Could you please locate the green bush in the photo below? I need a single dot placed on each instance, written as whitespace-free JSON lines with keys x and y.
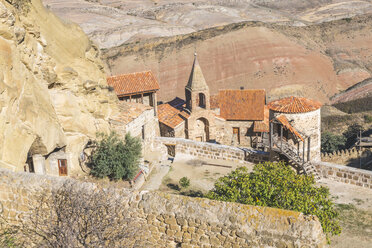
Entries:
{"x":277,"y":185}
{"x":184,"y":182}
{"x":115,"y":158}
{"x":352,"y":133}
{"x":367,"y":118}
{"x":332,"y":142}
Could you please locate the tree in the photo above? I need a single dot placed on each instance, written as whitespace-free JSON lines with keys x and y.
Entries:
{"x":332,"y":142}
{"x":115,"y":158}
{"x":352,"y":133}
{"x":73,"y":216}
{"x":184,"y":182}
{"x":277,"y":185}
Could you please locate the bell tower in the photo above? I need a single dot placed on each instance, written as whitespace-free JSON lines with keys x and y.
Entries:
{"x":197,"y":90}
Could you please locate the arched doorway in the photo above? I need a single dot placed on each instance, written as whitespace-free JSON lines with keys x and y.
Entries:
{"x":202,"y":129}
{"x":35,"y":162}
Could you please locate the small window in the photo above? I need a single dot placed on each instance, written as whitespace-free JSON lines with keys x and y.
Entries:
{"x":62,"y":167}
{"x":202,"y":102}
{"x":143,"y":132}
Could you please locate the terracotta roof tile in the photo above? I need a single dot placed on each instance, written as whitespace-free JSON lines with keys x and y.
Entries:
{"x":262,"y":126}
{"x":170,"y":115}
{"x":282,"y":119}
{"x":294,"y":105}
{"x":242,"y":104}
{"x":214,"y":103}
{"x":132,"y":83}
{"x":130,"y":111}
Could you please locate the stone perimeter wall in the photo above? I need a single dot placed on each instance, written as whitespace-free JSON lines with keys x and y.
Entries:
{"x":180,"y":221}
{"x":342,"y":173}
{"x":344,"y":156}
{"x":202,"y":150}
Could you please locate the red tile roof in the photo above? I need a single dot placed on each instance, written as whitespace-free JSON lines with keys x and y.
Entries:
{"x":171,"y":116}
{"x":130,"y":111}
{"x":262,"y":126}
{"x":294,"y":105}
{"x":282,"y":119}
{"x":242,"y":104}
{"x":132,"y":83}
{"x":214,"y":103}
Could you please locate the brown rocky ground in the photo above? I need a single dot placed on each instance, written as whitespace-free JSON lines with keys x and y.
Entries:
{"x":286,"y":47}
{"x":113,"y":22}
{"x":316,"y":61}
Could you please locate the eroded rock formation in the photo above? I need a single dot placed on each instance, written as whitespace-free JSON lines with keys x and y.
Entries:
{"x":53,"y":90}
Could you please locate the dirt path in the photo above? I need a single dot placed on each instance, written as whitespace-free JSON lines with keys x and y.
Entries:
{"x":155,"y":179}
{"x":355,"y":206}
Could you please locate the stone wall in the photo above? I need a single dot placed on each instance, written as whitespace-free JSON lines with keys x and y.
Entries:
{"x":180,"y":221}
{"x":346,"y":156}
{"x":205,"y":150}
{"x":308,"y":124}
{"x":224,"y":133}
{"x":345,"y":174}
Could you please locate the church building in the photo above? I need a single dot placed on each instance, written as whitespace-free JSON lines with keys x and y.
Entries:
{"x":233,"y":117}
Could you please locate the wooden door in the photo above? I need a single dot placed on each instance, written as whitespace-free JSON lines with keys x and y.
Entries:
{"x":236,"y":133}
{"x":62,"y":167}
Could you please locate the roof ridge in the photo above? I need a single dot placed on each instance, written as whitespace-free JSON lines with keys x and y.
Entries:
{"x":130,"y":73}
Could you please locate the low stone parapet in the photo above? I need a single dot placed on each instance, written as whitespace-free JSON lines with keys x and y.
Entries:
{"x":345,"y":174}
{"x":206,"y":150}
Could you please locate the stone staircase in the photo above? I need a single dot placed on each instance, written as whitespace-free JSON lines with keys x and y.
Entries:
{"x":291,"y":153}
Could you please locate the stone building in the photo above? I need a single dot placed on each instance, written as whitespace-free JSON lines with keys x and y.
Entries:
{"x":138,"y":105}
{"x":137,"y":119}
{"x":139,"y":87}
{"x":233,"y":117}
{"x":296,"y":121}
{"x":56,"y":163}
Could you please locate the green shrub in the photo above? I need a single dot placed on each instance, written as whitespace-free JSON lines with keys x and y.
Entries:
{"x":367,"y":118}
{"x":184,"y":182}
{"x":332,"y":142}
{"x":277,"y":185}
{"x":352,"y":133}
{"x":115,"y":158}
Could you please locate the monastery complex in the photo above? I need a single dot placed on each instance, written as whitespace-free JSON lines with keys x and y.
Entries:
{"x":285,"y":129}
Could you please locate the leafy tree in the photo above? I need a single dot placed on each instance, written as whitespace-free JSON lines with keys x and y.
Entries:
{"x":332,"y":142}
{"x":115,"y":158}
{"x":277,"y":185}
{"x":184,"y":182}
{"x":351,"y":134}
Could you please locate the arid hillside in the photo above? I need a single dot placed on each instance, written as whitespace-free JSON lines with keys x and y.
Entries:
{"x":306,"y":48}
{"x":114,"y":22}
{"x":315,"y":61}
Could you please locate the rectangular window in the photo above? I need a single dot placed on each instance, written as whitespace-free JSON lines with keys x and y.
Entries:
{"x":62,"y":167}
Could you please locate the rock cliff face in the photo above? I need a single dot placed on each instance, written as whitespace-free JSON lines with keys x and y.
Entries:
{"x":53,"y":90}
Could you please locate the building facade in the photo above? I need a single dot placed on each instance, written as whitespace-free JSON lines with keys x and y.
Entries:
{"x":138,"y":87}
{"x":233,"y":117}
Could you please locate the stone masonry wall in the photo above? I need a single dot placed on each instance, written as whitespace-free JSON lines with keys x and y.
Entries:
{"x":203,"y":149}
{"x":180,"y":221}
{"x":342,"y":173}
{"x":345,"y":156}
